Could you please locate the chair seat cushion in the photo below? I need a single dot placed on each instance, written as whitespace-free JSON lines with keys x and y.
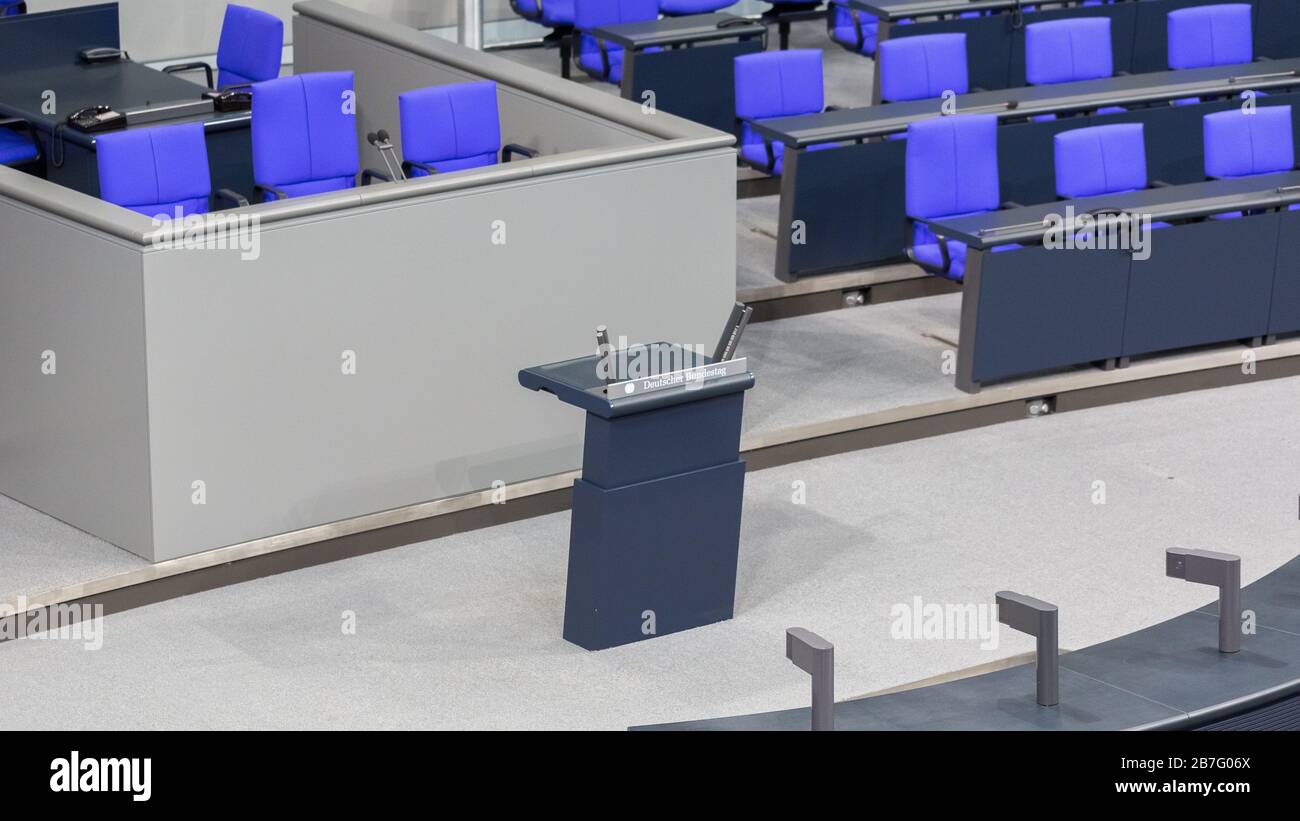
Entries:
{"x":172,"y":210}
{"x":755,"y":153}
{"x":925,"y":248}
{"x":302,"y":189}
{"x":459,"y":164}
{"x":16,"y":147}
{"x":589,"y":60}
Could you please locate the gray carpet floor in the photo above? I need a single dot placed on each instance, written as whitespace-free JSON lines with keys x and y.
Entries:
{"x":464,"y":632}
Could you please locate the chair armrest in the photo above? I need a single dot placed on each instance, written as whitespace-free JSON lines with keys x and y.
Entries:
{"x":368,"y":174}
{"x":262,"y":188}
{"x":207,"y":69}
{"x":226,"y":195}
{"x":510,"y":149}
{"x":604,"y":59}
{"x":407,"y":165}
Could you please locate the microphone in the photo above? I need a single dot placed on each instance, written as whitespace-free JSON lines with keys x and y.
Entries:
{"x":379,"y":139}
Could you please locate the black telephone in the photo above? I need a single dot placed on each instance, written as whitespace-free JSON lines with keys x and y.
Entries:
{"x":101,"y":54}
{"x":232,"y":99}
{"x":96,"y":118}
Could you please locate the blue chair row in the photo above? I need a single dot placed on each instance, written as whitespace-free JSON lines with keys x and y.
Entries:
{"x":952,"y":167}
{"x":1061,"y":51}
{"x":304,"y":142}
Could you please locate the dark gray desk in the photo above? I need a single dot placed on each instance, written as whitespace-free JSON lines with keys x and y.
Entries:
{"x":1206,"y":281}
{"x":851,"y":198}
{"x":126,"y":87}
{"x":1169,"y":676}
{"x":995,"y":42}
{"x":692,"y":75}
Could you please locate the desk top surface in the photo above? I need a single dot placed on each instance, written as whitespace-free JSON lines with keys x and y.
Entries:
{"x":694,"y":28}
{"x":1199,"y":199}
{"x":577,"y":381}
{"x":870,"y":121}
{"x":122,"y":86}
{"x":897,"y":9}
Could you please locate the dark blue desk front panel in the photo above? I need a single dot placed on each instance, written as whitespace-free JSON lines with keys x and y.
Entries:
{"x":1285,"y":315}
{"x":55,"y":37}
{"x":1206,"y":282}
{"x":1040,"y":309}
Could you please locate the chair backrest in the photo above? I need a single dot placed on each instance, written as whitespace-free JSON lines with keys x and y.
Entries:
{"x":922,"y":67}
{"x":589,"y":14}
{"x":251,"y":46}
{"x":952,"y":165}
{"x":779,"y":83}
{"x":1062,"y":51}
{"x":1103,"y":159}
{"x":155,"y":171}
{"x":1217,"y":35}
{"x":305,"y":134}
{"x":451,"y":127}
{"x":1241,"y":144}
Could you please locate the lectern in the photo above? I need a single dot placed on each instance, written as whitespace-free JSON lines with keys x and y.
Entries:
{"x":655,"y":529}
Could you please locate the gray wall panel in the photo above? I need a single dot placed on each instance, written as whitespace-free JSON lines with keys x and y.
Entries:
{"x":73,"y":444}
{"x":246,"y":389}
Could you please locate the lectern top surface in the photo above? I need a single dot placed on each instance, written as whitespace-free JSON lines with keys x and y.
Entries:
{"x":638,"y":378}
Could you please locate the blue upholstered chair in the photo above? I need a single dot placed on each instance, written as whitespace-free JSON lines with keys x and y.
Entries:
{"x":551,"y":13}
{"x":249,"y":51}
{"x":158,"y":172}
{"x":18,"y":144}
{"x":557,"y":15}
{"x":304,"y":135}
{"x":852,"y":28}
{"x":452,"y":128}
{"x":602,"y":60}
{"x":1238,"y":144}
{"x":775,"y":84}
{"x":952,"y":171}
{"x":922,"y":67}
{"x":676,"y":8}
{"x":1203,"y":36}
{"x":1065,"y":51}
{"x":9,"y":8}
{"x":1103,"y":159}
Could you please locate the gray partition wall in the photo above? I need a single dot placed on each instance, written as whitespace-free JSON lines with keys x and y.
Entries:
{"x":365,"y":359}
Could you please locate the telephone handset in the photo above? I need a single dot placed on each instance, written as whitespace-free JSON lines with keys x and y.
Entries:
{"x":96,"y":118}
{"x":101,"y":54}
{"x":239,"y":98}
